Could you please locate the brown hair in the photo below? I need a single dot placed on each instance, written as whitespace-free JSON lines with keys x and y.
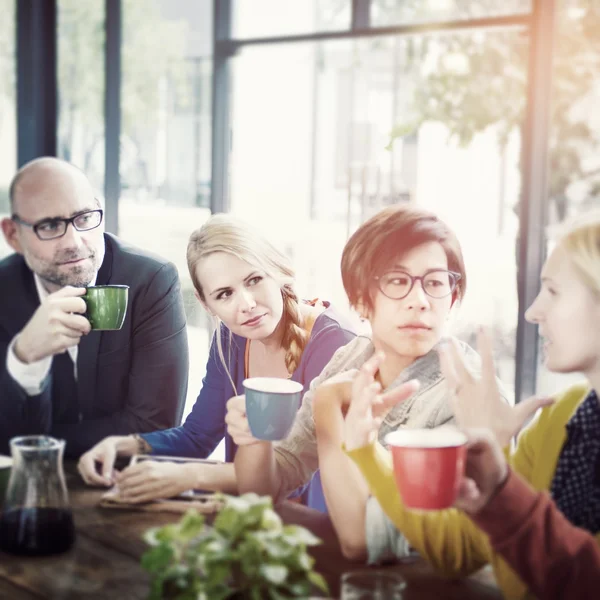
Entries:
{"x":386,"y":236}
{"x":224,"y":233}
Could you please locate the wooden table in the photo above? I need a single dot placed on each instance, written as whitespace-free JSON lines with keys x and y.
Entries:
{"x":104,"y":563}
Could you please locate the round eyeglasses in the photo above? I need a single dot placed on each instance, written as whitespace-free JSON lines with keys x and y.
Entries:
{"x":436,"y":284}
{"x":51,"y":229}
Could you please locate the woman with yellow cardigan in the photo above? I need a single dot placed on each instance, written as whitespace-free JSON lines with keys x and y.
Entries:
{"x":559,"y":452}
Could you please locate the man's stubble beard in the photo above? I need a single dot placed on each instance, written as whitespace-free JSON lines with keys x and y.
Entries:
{"x":77,"y":276}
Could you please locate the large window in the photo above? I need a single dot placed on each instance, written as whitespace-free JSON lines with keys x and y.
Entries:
{"x":405,"y":12}
{"x":327,"y":133}
{"x":265,"y":18}
{"x":165,"y":141}
{"x":8,"y":114}
{"x":574,"y":173}
{"x":80,"y":66}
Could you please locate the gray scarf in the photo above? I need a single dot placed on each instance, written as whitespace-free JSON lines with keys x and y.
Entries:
{"x":429,"y":406}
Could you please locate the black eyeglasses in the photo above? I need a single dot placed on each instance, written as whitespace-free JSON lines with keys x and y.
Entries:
{"x":436,"y":284}
{"x":51,"y":229}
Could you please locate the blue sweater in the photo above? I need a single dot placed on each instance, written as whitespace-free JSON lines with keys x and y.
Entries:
{"x":205,"y":426}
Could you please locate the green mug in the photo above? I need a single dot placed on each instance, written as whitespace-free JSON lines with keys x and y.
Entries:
{"x":5,"y":466}
{"x":106,"y":306}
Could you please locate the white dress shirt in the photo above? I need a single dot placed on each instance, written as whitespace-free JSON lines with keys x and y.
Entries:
{"x":31,"y":376}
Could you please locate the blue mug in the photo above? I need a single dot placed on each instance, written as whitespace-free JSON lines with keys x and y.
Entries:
{"x":271,"y":406}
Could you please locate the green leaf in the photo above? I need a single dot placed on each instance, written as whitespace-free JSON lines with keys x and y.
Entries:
{"x":218,"y":574}
{"x":274,"y":573}
{"x":299,"y":589}
{"x":239,"y":504}
{"x":156,"y":589}
{"x":319,"y":581}
{"x":296,"y":535}
{"x":271,"y":520}
{"x":191,"y":525}
{"x":157,"y":559}
{"x":247,"y":551}
{"x":168,"y":533}
{"x":278,"y":549}
{"x":304,"y":561}
{"x":256,"y":594}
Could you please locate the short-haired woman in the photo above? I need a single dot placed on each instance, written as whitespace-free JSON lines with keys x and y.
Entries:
{"x":403,"y":271}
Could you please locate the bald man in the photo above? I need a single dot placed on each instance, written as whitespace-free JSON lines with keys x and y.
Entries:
{"x":58,"y":377}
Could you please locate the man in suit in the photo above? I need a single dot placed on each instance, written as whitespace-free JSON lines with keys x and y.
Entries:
{"x":58,"y":377}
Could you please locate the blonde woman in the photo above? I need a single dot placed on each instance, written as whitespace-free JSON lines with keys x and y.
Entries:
{"x":262,"y":329}
{"x":558,"y":453}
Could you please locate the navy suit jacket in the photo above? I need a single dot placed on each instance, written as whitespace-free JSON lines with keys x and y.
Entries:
{"x":131,"y":380}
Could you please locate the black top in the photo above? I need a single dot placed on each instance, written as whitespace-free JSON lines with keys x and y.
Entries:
{"x":576,"y":484}
{"x":131,"y":380}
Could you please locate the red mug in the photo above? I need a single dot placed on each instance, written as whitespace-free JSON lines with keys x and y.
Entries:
{"x":428,"y":466}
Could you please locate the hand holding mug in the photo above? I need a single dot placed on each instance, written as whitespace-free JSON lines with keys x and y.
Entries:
{"x":237,"y":422}
{"x":271,"y":406}
{"x":485,"y":472}
{"x":56,"y":325}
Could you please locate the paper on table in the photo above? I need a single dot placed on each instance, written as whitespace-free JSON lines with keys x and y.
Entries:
{"x":203,"y":503}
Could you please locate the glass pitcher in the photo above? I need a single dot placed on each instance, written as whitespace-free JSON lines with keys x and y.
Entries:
{"x":36,"y":517}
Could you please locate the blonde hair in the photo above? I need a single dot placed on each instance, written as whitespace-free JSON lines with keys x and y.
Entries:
{"x":580,"y":239}
{"x":224,"y":233}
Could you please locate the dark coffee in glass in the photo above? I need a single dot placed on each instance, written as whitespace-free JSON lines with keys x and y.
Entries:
{"x":36,"y":518}
{"x":36,"y":531}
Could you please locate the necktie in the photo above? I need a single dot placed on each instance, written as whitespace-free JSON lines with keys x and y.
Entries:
{"x":65,"y":407}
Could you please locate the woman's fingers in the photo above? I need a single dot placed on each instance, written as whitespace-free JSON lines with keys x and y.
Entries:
{"x":486,"y":351}
{"x":87,"y":470}
{"x":237,"y":404}
{"x":392,"y":397}
{"x":371,"y":366}
{"x":108,"y":458}
{"x":133,"y":473}
{"x":363,"y":392}
{"x":447,"y":366}
{"x":366,"y":374}
{"x":143,"y":492}
{"x":237,"y":422}
{"x":377,"y":421}
{"x":458,"y":363}
{"x":468,"y":496}
{"x":525,"y":409}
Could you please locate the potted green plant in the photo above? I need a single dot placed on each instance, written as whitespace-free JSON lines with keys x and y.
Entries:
{"x":247,"y":553}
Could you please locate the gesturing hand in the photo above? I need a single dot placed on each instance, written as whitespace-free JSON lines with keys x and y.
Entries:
{"x":336,"y":390}
{"x":369,"y":406}
{"x":477,"y":402}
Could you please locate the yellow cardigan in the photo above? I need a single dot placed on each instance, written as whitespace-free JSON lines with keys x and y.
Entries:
{"x":448,"y":539}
